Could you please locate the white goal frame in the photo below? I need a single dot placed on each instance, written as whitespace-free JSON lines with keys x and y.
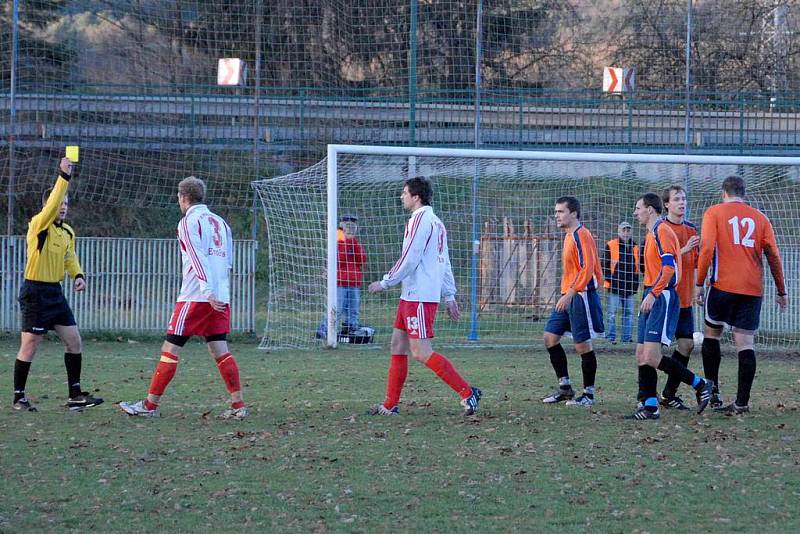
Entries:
{"x":412,"y":152}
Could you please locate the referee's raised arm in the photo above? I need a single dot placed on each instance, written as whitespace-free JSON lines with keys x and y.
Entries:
{"x":49,"y":212}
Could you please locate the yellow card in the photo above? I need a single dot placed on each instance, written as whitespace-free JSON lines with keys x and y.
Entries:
{"x":72,"y":153}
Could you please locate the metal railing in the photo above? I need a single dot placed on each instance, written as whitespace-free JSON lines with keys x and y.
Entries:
{"x":293,"y":118}
{"x":132,"y":284}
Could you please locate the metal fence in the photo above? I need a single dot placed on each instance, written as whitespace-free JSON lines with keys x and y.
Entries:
{"x":132,"y":284}
{"x":773,"y":320}
{"x":711,"y":77}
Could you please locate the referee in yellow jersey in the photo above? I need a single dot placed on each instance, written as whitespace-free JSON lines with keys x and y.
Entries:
{"x":51,"y":251}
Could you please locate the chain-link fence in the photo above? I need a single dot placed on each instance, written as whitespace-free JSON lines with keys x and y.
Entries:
{"x":134,"y":83}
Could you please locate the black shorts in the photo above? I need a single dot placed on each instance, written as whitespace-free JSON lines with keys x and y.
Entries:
{"x":732,"y":309}
{"x":685,"y":328}
{"x":43,"y":306}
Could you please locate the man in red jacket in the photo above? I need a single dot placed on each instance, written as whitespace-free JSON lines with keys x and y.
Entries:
{"x":350,"y":261}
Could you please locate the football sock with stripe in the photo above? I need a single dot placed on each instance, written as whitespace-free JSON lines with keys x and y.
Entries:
{"x":72,"y":362}
{"x":648,"y":383}
{"x":21,"y":370}
{"x":676,"y":369}
{"x":558,"y":358}
{"x":589,"y":369}
{"x":712,"y":356}
{"x":747,"y":372}
{"x":445,"y":370}
{"x":229,"y":371}
{"x":651,"y":404}
{"x":673,"y":381}
{"x":398,"y":371}
{"x":162,"y":376}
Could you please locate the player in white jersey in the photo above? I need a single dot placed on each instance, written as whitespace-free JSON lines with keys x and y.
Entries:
{"x":426,"y":276}
{"x":203,"y":305}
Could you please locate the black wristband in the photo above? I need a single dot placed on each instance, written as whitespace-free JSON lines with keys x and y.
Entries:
{"x":80,"y":275}
{"x":64,"y":175}
{"x":781,"y":294}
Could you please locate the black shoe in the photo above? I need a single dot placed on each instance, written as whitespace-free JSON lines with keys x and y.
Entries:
{"x":470,"y":404}
{"x":704,"y":395}
{"x":716,"y":398}
{"x":24,"y":405}
{"x":380,"y":409}
{"x":643,"y":413}
{"x":560,"y":395}
{"x":733,"y":409}
{"x":81,"y":401}
{"x":674,"y":402}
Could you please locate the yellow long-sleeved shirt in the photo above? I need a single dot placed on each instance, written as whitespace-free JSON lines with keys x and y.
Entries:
{"x":51,"y":245}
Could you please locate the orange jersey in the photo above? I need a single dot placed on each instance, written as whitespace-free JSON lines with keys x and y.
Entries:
{"x":733,"y":238}
{"x":685,"y":287}
{"x":662,"y":259}
{"x":581,"y":265}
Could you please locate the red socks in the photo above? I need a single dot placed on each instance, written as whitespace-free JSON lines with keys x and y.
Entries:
{"x":445,"y":370}
{"x":162,"y":376}
{"x":229,"y":372}
{"x":168,"y":364}
{"x":398,"y":371}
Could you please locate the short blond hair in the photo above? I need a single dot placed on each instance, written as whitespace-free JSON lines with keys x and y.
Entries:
{"x":193,"y":188}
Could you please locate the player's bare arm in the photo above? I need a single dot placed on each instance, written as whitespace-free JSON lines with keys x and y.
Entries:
{"x":692,"y":243}
{"x":79,"y":284}
{"x":647,"y":303}
{"x":452,"y":310}
{"x":65,"y":166}
{"x":375,"y":287}
{"x":566,"y":298}
{"x":699,"y":295}
{"x":217,"y":305}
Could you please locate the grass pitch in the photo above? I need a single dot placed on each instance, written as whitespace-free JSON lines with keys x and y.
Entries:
{"x":309,"y":460}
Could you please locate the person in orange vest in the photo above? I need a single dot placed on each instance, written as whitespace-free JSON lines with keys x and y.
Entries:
{"x":621,"y":268}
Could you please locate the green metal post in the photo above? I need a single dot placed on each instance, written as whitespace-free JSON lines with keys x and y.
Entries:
{"x":412,"y":75}
{"x":257,"y":115}
{"x":741,"y":124}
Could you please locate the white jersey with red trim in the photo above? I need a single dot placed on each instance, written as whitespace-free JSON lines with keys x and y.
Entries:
{"x":207,"y":253}
{"x":424,"y":265}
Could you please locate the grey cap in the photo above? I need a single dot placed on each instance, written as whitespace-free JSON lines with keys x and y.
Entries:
{"x":625,"y":224}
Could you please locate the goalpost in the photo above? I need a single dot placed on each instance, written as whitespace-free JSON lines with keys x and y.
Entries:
{"x":505,"y":249}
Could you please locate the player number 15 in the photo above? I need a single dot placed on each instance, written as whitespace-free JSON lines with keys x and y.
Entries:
{"x":748,"y":225}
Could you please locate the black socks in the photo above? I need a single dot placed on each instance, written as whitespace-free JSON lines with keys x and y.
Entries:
{"x":674,"y":381}
{"x":747,"y":372}
{"x":712,"y":355}
{"x":559,"y":360}
{"x":72,"y":361}
{"x":589,"y":368}
{"x":20,"y":378}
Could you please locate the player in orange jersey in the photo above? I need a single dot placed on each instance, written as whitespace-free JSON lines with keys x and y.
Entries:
{"x":658,"y":313}
{"x":578,"y":311}
{"x":734,"y":237}
{"x":674,"y":199}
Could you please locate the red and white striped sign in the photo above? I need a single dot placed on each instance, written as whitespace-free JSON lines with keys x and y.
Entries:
{"x":619,"y":79}
{"x":231,"y":71}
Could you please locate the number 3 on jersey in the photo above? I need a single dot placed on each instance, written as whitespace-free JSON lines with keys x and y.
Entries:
{"x":748,"y":225}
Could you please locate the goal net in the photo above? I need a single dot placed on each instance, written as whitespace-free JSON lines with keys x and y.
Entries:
{"x":505,"y":248}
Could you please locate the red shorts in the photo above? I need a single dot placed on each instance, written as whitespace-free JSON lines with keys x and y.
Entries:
{"x":198,"y":319}
{"x":416,"y":318}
